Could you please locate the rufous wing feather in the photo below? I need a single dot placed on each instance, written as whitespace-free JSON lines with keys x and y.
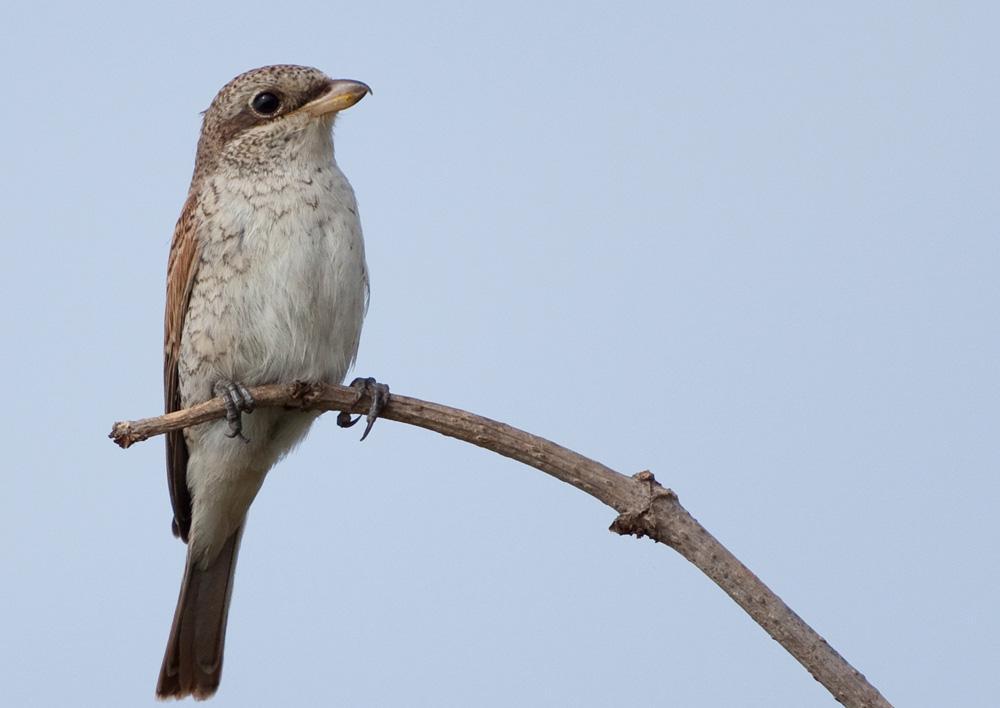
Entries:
{"x":181,"y":270}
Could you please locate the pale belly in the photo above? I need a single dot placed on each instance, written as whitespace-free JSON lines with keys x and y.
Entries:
{"x":279,"y":296}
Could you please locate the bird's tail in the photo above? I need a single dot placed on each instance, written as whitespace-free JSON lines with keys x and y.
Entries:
{"x":192,"y":664}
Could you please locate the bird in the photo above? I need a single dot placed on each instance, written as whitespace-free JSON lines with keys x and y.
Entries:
{"x":267,"y":282}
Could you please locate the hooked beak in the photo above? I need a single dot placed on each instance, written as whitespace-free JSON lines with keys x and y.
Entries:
{"x":343,"y":93}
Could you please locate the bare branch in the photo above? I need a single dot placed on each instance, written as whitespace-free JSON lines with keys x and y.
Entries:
{"x":644,"y":507}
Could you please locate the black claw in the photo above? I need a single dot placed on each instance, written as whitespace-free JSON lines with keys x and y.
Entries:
{"x":237,"y":400}
{"x":237,"y":431}
{"x":379,"y":394}
{"x":344,"y":419}
{"x":380,"y":397}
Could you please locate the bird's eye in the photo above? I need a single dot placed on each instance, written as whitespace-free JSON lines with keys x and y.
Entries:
{"x":265,"y":103}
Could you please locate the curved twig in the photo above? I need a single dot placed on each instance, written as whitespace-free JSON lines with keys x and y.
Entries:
{"x":644,"y":507}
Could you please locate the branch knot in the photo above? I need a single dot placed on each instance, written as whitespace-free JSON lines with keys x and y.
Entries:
{"x":305,"y":393}
{"x":638,"y":522}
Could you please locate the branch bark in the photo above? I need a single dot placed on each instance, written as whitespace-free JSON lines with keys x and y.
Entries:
{"x":644,"y":507}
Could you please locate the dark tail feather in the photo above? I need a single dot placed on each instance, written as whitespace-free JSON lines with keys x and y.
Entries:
{"x":192,"y":665}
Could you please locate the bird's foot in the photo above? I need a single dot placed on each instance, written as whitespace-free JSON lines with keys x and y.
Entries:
{"x":379,"y":394}
{"x":238,"y":401}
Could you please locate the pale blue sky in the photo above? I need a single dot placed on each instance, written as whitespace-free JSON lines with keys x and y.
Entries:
{"x":752,"y":248}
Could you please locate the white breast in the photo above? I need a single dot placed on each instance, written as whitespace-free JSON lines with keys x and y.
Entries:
{"x":282,"y":284}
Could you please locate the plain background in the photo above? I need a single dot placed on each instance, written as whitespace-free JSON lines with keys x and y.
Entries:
{"x":753,"y":248}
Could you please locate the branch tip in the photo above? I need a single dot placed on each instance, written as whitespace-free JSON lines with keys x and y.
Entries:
{"x":123,"y":435}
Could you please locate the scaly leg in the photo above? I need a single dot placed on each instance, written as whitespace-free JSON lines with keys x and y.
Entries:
{"x":237,"y":400}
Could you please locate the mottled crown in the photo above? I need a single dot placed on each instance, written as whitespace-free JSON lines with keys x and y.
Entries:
{"x":250,"y":103}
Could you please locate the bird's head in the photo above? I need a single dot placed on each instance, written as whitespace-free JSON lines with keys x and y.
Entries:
{"x":271,"y":118}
